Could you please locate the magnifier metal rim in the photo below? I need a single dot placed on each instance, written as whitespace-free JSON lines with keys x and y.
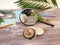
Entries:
{"x":27,"y":24}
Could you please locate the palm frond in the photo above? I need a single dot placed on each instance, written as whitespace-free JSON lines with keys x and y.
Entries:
{"x":33,"y":4}
{"x":43,"y":1}
{"x":6,"y":12}
{"x":1,"y":20}
{"x":54,"y":2}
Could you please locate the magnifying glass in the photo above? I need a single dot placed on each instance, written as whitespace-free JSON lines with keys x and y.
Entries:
{"x":30,"y":17}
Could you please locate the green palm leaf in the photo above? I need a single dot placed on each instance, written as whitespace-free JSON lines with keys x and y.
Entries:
{"x":43,"y":1}
{"x":54,"y":2}
{"x":35,"y":4}
{"x":1,"y":20}
{"x":26,"y":4}
{"x":5,"y":12}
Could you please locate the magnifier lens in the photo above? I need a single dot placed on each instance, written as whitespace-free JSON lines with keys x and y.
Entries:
{"x":27,"y":17}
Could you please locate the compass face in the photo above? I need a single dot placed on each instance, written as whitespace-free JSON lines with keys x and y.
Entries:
{"x":29,"y":33}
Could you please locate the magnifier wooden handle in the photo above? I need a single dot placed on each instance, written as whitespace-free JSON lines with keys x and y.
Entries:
{"x":47,"y":23}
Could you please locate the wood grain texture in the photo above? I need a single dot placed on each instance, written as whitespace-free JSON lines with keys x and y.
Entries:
{"x":50,"y":37}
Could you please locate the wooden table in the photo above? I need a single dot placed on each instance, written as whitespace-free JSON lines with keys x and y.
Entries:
{"x":50,"y":37}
